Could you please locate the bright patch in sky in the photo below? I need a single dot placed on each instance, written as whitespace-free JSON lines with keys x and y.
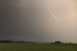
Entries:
{"x":62,"y":9}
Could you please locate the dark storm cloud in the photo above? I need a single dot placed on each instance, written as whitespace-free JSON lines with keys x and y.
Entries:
{"x":10,"y":18}
{"x":18,"y":21}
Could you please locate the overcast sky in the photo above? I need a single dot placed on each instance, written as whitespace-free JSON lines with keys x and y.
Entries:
{"x":32,"y":20}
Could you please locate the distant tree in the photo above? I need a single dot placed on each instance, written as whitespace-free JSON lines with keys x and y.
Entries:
{"x":57,"y":42}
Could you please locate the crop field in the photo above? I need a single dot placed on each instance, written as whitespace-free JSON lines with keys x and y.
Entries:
{"x":37,"y":47}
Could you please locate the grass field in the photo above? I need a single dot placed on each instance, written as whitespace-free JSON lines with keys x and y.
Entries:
{"x":37,"y":47}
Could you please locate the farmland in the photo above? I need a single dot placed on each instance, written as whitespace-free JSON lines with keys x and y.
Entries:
{"x":37,"y":47}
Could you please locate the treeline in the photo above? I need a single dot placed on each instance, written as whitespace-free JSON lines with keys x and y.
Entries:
{"x":5,"y":41}
{"x":10,"y":41}
{"x":59,"y":42}
{"x":56,"y":42}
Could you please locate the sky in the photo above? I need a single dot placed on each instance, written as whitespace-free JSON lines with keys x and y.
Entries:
{"x":38,"y":20}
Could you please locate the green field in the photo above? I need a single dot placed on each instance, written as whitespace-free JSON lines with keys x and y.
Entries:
{"x":37,"y":47}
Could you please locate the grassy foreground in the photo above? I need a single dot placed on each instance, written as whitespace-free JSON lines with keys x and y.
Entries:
{"x":37,"y":47}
